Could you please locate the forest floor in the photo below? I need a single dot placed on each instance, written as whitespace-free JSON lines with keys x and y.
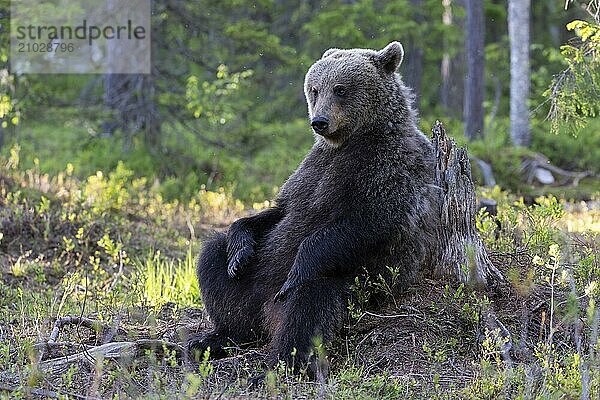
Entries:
{"x":98,"y":291}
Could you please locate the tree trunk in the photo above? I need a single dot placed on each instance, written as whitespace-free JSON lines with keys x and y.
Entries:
{"x":474,"y":83}
{"x":452,"y":91}
{"x":131,"y":99}
{"x":414,"y":59}
{"x":461,"y":252}
{"x":518,"y":32}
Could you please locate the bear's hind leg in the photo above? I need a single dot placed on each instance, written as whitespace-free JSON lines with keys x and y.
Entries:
{"x":312,"y":313}
{"x":230,"y":303}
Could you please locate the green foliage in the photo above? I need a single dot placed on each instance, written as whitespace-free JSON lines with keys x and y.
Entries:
{"x":574,"y":92}
{"x":353,"y":384}
{"x":571,"y":153}
{"x":243,"y":126}
{"x":211,"y":99}
{"x":579,"y":153}
{"x":9,"y":107}
{"x":105,"y":194}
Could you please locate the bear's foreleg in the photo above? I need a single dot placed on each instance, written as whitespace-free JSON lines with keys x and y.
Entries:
{"x":337,"y":250}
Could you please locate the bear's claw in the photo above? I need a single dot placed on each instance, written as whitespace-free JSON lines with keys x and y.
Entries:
{"x":239,"y":260}
{"x":284,"y":291}
{"x":240,"y":248}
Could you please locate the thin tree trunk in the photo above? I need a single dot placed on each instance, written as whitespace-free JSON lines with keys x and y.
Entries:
{"x":414,"y":58}
{"x":452,"y":91}
{"x":518,"y":32}
{"x":445,"y":90}
{"x":474,"y":83}
{"x":414,"y":70}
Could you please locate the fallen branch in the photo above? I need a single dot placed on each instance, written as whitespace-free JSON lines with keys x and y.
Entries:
{"x":539,"y":161}
{"x":91,"y":354}
{"x":96,"y":326}
{"x":111,"y":351}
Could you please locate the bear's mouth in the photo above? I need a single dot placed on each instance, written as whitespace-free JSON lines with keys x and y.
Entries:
{"x":333,"y":136}
{"x":334,"y":139}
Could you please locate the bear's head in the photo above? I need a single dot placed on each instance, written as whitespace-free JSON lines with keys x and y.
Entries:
{"x":349,"y":91}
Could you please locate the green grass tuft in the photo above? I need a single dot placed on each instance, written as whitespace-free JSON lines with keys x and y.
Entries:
{"x":170,"y":281}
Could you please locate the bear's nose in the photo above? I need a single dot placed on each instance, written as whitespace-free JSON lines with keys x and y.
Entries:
{"x":320,"y":124}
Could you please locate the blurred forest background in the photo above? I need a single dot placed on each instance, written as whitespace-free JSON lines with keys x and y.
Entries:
{"x":224,"y":105}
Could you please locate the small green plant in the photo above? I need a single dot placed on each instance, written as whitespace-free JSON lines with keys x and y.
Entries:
{"x":389,"y":283}
{"x":209,"y":99}
{"x":362,"y":289}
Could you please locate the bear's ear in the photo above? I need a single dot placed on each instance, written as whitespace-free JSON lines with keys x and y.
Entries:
{"x":390,"y":57}
{"x":329,"y":52}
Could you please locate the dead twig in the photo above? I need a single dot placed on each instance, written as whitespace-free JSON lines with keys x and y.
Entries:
{"x":96,"y":326}
{"x":388,"y":316}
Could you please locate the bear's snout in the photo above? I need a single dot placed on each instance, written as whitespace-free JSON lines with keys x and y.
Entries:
{"x":320,"y":124}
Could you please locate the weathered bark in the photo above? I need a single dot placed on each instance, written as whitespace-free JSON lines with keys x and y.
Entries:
{"x":518,"y":32}
{"x":461,"y":252}
{"x":474,"y":82}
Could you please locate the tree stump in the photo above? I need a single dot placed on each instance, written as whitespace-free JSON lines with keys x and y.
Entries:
{"x":461,"y":252}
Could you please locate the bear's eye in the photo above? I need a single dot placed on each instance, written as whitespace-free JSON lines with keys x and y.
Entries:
{"x":340,"y":91}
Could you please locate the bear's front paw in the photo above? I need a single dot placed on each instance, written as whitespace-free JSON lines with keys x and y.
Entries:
{"x":240,"y":250}
{"x":238,"y":261}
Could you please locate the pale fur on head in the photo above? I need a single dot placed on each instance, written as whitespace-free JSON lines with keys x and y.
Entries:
{"x":376,"y":96}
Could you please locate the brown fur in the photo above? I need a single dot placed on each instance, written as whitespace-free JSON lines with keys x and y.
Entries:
{"x":359,"y":200}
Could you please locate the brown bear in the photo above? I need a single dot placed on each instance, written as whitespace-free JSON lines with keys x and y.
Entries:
{"x":361,"y":200}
